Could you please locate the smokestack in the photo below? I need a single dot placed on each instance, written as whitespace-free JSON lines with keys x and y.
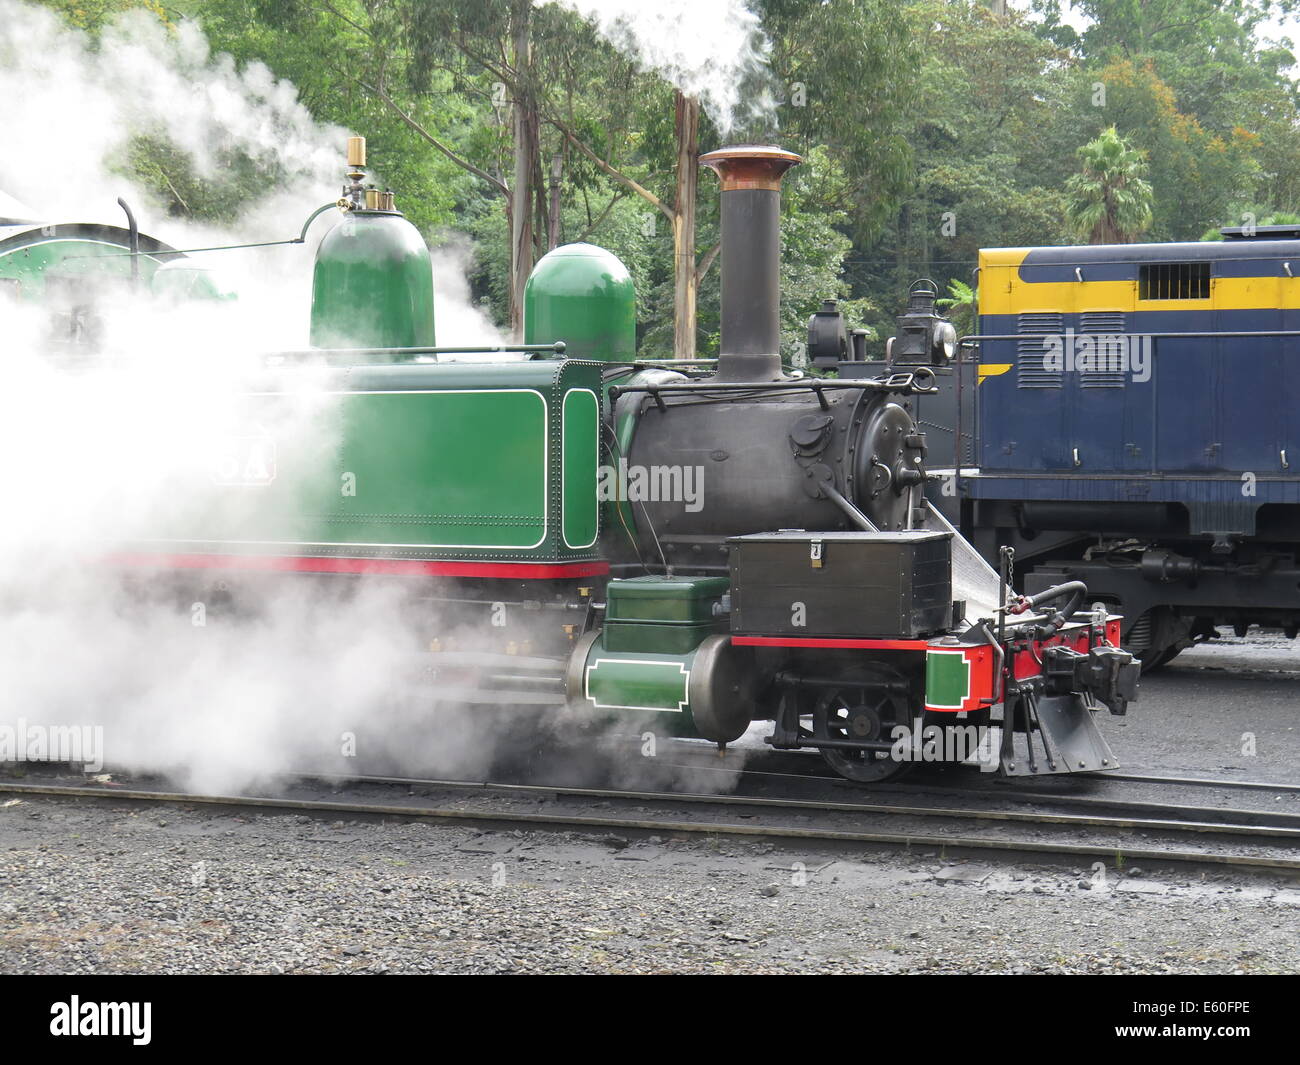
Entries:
{"x":751,"y":259}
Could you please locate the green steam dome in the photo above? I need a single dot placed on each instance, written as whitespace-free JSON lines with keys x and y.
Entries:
{"x":373,"y":285}
{"x":583,"y":295}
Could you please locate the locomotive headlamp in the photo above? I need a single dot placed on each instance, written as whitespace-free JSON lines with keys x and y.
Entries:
{"x":924,"y":336}
{"x":945,"y":340}
{"x":828,"y":340}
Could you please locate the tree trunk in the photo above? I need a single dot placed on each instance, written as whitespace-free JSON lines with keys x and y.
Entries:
{"x":688,"y":169}
{"x":553,"y":229}
{"x":541,"y":210}
{"x":526,"y":126}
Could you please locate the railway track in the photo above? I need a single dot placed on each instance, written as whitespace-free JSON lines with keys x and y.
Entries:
{"x":1211,"y":782}
{"x":1283,"y":825}
{"x":806,"y":765}
{"x":1066,"y":787}
{"x":1065,"y":791}
{"x":1256,"y":840}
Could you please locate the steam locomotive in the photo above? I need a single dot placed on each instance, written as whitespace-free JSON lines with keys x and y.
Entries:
{"x":693,"y":546}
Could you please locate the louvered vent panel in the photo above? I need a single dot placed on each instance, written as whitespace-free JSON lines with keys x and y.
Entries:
{"x":1030,"y":351}
{"x":1110,"y":359}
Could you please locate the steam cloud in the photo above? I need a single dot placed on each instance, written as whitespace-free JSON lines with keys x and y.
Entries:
{"x":710,"y":49}
{"x":80,"y":104}
{"x":102,"y":448}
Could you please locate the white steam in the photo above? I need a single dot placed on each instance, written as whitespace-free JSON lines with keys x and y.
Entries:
{"x":72,"y":107}
{"x":709,"y":49}
{"x":109,"y":444}
{"x":457,"y":318}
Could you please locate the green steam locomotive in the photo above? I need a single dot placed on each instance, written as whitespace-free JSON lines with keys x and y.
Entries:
{"x":693,"y":546}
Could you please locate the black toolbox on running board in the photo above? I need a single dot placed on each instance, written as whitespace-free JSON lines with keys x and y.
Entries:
{"x":886,"y":585}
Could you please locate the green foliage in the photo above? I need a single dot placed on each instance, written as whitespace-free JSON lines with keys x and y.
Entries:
{"x":1253,"y":215}
{"x":624,"y":228}
{"x":1196,"y":172}
{"x":1006,"y":102}
{"x":169,"y":173}
{"x":94,"y":15}
{"x":1204,"y":50}
{"x":815,"y":243}
{"x":1110,"y":198}
{"x":990,"y":161}
{"x":323,"y":52}
{"x":930,"y":129}
{"x":846,"y":77}
{"x":961,"y":301}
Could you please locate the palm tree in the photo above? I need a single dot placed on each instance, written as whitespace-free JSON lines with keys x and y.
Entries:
{"x":1109,"y":199}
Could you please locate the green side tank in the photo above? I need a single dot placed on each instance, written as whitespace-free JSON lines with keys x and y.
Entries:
{"x":373,"y":285}
{"x":583,"y":295}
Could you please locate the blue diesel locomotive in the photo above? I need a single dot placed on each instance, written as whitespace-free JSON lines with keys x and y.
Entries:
{"x":1127,"y":417}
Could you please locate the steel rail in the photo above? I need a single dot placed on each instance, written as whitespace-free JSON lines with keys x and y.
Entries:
{"x":559,"y":819}
{"x":1136,"y":778}
{"x":1012,"y":793}
{"x":1260,"y":785}
{"x":1282,"y":830}
{"x":1151,"y":814}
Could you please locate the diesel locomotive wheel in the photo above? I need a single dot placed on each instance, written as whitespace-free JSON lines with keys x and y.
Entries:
{"x":861,"y":709}
{"x":1157,"y":658}
{"x":1166,"y":636}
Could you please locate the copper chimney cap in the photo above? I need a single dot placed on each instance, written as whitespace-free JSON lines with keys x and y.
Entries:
{"x":750,"y":166}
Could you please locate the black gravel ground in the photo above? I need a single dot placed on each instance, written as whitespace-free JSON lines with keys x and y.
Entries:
{"x":93,"y":888}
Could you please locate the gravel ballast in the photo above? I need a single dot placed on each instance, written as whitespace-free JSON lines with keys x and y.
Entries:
{"x":114,"y":888}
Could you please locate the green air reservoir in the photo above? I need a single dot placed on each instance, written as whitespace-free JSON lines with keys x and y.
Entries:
{"x":583,"y":295}
{"x":373,"y":285}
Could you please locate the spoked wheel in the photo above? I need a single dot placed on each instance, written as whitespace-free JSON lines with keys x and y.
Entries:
{"x":861,"y":710}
